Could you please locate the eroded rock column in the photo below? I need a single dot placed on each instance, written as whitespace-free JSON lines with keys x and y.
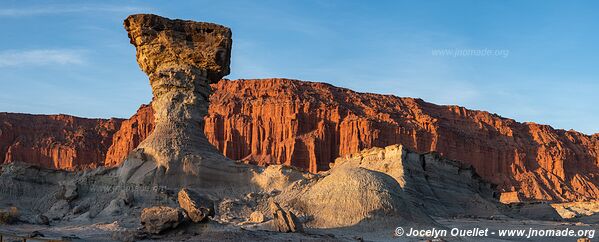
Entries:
{"x":181,"y":59}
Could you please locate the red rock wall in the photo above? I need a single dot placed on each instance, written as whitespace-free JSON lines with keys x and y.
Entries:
{"x":132,"y":132}
{"x":309,"y":124}
{"x":55,"y":141}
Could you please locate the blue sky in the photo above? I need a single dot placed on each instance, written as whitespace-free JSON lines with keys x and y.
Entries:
{"x":539,"y":62}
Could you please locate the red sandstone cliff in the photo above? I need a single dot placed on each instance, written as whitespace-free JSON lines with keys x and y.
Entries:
{"x":309,"y":124}
{"x":55,"y":141}
{"x":131,"y":133}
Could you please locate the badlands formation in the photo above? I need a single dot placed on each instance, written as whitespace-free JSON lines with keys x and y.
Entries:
{"x":214,"y":159}
{"x":281,"y":121}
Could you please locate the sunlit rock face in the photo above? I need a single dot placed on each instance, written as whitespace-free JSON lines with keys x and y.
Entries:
{"x":55,"y":141}
{"x":309,"y":124}
{"x":131,"y":133}
{"x":181,"y":59}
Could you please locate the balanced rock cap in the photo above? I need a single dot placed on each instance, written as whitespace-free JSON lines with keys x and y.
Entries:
{"x":162,"y":43}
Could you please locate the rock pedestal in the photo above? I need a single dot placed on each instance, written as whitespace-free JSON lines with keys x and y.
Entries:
{"x":181,"y":58}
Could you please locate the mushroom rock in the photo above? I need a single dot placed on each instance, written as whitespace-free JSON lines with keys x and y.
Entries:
{"x":181,"y":59}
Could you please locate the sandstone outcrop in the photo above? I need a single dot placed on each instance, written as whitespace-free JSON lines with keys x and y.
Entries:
{"x":198,"y":208}
{"x":55,"y":141}
{"x":181,"y":58}
{"x":158,"y":219}
{"x":369,"y":192}
{"x":132,"y":131}
{"x":308,"y":125}
{"x":284,"y":221}
{"x":510,"y":197}
{"x":441,"y":186}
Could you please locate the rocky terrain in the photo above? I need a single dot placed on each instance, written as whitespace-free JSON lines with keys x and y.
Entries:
{"x":308,"y":125}
{"x":365,"y":195}
{"x":169,"y":172}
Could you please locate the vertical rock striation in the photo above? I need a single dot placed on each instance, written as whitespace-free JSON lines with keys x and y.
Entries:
{"x":55,"y":141}
{"x":132,"y":131}
{"x":308,"y":125}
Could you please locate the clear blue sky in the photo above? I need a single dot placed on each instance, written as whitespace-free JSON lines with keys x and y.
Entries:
{"x":74,"y":57}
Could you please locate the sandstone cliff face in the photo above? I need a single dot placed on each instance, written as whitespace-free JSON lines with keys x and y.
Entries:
{"x":308,"y":125}
{"x":55,"y":141}
{"x":131,"y":133}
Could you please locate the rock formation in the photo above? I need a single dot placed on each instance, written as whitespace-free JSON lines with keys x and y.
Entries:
{"x":391,"y":185}
{"x":198,"y":208}
{"x":284,"y":221}
{"x":55,"y":141}
{"x":308,"y":125}
{"x":441,"y":186}
{"x":360,"y":193}
{"x":256,"y":217}
{"x":510,"y":197}
{"x":296,"y":123}
{"x":161,"y":218}
{"x":181,"y":58}
{"x":131,"y":133}
{"x":393,"y":182}
{"x":576,"y":209}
